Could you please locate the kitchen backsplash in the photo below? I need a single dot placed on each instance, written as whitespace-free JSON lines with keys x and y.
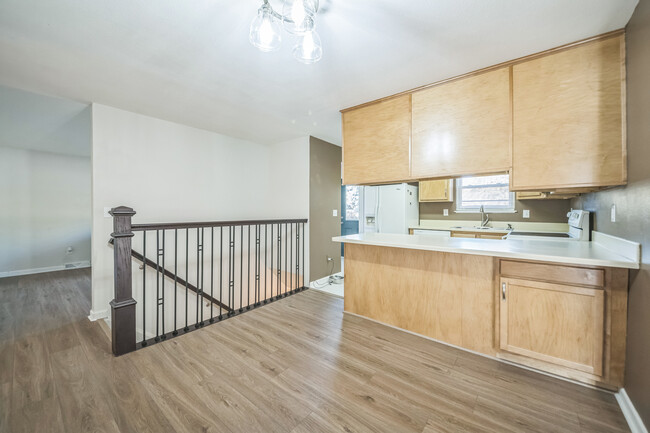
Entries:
{"x":540,"y":211}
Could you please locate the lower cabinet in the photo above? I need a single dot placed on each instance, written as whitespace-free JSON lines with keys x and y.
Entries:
{"x":478,"y":235}
{"x":555,"y":323}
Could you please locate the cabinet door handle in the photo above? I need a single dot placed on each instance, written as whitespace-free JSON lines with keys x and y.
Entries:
{"x":503,"y":291}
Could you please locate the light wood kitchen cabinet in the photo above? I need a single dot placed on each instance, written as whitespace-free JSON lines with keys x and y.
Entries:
{"x":555,"y":323}
{"x":463,"y":127}
{"x":538,"y":195}
{"x":477,"y":235}
{"x":436,"y":190}
{"x":569,"y":118}
{"x":376,"y":142}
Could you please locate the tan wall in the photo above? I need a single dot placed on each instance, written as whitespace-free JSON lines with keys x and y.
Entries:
{"x":540,"y":211}
{"x":324,"y":195}
{"x":633,"y":208}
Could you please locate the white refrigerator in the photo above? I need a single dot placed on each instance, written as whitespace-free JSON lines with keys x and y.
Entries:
{"x":389,"y":208}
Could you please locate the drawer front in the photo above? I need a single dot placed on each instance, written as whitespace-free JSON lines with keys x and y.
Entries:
{"x":553,"y":273}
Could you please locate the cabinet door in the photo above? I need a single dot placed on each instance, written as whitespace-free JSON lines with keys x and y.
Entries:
{"x":498,"y":236}
{"x":555,"y":323}
{"x":462,"y":235}
{"x":436,"y":190}
{"x":463,"y":127}
{"x":376,"y":142}
{"x":568,"y":111}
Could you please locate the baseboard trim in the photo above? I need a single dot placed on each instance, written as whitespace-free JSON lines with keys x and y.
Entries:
{"x":96,"y":315}
{"x":76,"y":265}
{"x":629,"y":411}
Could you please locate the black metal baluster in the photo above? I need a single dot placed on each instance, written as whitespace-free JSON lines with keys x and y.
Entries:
{"x":198,"y":277}
{"x":231,"y":271}
{"x":258,"y":230}
{"x":286,"y":241}
{"x":175,"y":331}
{"x":162,"y":287}
{"x":248,"y":278}
{"x":157,"y":338}
{"x":290,"y":239}
{"x":187,"y":275}
{"x":297,"y":257}
{"x":144,"y":284}
{"x":266,"y":256}
{"x":303,"y":256}
{"x":212,"y":273}
{"x":202,"y":262}
{"x":271,"y":282}
{"x":241,"y":269}
{"x":220,"y":271}
{"x":278,"y":291}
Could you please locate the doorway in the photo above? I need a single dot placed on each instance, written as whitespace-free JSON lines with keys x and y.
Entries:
{"x":350,"y":207}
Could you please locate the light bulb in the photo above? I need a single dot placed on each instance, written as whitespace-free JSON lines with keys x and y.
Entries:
{"x":265,"y":30}
{"x":298,"y":15}
{"x":308,"y":48}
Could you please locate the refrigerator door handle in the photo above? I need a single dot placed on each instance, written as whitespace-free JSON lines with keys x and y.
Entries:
{"x":377,"y":226}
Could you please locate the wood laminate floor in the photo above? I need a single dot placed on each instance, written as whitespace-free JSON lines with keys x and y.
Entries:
{"x":297,"y":365}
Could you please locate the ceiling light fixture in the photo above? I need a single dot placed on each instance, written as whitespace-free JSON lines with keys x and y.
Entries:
{"x":297,"y":18}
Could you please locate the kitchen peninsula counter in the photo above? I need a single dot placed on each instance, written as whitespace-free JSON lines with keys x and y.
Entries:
{"x":556,"y":306}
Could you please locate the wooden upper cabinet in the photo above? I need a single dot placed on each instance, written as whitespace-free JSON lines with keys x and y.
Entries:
{"x":436,"y":190}
{"x":376,"y":142}
{"x":569,"y":118}
{"x":463,"y":127}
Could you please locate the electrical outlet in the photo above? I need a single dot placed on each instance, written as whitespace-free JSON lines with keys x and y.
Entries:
{"x":613,"y":213}
{"x":335,"y":212}
{"x":526,"y":213}
{"x":69,"y":250}
{"x":445,"y":212}
{"x":329,"y":259}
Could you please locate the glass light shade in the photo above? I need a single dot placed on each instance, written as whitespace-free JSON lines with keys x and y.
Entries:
{"x":308,"y":48}
{"x":298,"y":15}
{"x":265,"y":32}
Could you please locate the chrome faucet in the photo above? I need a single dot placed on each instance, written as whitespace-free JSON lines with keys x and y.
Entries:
{"x":485,"y":218}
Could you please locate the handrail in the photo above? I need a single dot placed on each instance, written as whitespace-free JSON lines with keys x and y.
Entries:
{"x":191,"y":225}
{"x":182,"y":283}
{"x":256,"y":261}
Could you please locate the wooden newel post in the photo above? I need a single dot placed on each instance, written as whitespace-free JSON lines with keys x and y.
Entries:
{"x":123,"y":306}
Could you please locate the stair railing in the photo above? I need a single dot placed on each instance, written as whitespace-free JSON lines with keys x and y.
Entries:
{"x":199,"y":273}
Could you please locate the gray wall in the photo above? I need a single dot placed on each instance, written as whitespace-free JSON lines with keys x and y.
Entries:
{"x":633,"y":208}
{"x":324,"y":195}
{"x":540,"y":211}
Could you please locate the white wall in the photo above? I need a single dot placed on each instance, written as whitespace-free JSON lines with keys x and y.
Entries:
{"x":44,"y":208}
{"x":170,"y":172}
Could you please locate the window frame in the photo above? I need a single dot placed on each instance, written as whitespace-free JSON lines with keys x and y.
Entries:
{"x":511,"y":208}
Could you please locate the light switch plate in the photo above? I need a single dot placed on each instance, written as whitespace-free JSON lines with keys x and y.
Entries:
{"x":335,"y":212}
{"x":526,"y":213}
{"x":613,"y":213}
{"x":445,"y":212}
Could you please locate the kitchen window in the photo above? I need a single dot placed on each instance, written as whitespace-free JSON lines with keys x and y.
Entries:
{"x":491,"y":192}
{"x":352,"y":202}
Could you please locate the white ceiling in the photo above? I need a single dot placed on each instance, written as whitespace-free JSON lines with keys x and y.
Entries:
{"x":43,"y":123}
{"x":191,"y":62}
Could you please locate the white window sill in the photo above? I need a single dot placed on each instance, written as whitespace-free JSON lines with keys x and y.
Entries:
{"x":486,"y":211}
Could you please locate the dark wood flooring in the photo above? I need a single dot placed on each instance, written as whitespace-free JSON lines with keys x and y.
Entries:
{"x":297,"y":365}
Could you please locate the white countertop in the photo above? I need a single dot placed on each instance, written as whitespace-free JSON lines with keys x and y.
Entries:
{"x":570,"y":252}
